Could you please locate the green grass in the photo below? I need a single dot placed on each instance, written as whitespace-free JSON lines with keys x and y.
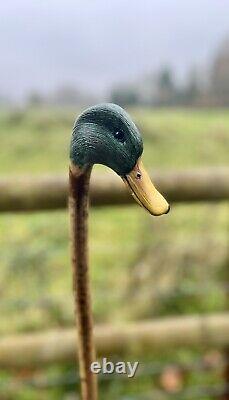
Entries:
{"x":35,"y":275}
{"x":37,"y":142}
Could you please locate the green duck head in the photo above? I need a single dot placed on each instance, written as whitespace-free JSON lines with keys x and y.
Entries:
{"x":105,"y":134}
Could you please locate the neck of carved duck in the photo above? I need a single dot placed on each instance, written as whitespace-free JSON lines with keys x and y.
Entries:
{"x":79,"y":206}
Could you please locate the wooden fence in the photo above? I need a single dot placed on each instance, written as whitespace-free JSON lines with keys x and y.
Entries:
{"x":50,"y":192}
{"x":159,"y":335}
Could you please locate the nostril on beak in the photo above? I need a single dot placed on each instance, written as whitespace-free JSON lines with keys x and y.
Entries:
{"x":168,"y":210}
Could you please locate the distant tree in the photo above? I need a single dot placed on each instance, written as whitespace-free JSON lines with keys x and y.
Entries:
{"x":4,"y":100}
{"x":66,"y":95}
{"x":165,"y":79}
{"x":192,"y":90}
{"x":35,"y":99}
{"x":166,"y":91}
{"x":69,"y":95}
{"x":124,"y":96}
{"x":220,"y":75}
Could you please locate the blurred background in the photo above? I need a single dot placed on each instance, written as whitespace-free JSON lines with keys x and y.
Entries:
{"x":167,"y":62}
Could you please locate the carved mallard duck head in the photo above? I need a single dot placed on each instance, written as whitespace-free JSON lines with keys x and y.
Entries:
{"x":105,"y":134}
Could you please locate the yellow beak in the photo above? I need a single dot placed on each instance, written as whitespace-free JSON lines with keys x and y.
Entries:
{"x":144,"y":192}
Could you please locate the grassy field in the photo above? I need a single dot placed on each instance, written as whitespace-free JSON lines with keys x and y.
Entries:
{"x":185,"y":248}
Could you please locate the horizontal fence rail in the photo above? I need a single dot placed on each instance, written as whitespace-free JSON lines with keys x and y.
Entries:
{"x":50,"y":192}
{"x":31,"y":350}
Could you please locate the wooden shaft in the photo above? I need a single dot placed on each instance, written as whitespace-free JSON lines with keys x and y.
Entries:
{"x":50,"y":192}
{"x":78,"y":205}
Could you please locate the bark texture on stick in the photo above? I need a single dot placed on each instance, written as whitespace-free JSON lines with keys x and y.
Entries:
{"x":78,"y":207}
{"x":154,"y":336}
{"x":50,"y":192}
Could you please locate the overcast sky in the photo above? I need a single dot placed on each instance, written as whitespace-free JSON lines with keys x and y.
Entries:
{"x":94,"y":43}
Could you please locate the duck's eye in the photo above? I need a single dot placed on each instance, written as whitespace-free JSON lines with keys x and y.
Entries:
{"x":119,"y":135}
